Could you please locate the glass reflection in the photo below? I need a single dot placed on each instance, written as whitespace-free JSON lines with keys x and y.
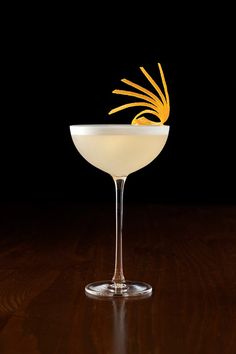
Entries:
{"x":119,"y":323}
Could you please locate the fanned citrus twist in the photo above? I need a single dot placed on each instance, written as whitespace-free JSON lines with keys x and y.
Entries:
{"x":157,"y":105}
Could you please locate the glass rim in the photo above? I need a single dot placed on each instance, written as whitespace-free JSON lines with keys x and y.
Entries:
{"x":116,"y":129}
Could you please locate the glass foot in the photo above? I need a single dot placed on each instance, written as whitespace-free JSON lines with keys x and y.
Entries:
{"x":108,"y":288}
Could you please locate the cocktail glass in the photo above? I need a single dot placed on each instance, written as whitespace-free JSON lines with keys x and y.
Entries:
{"x":119,"y":150}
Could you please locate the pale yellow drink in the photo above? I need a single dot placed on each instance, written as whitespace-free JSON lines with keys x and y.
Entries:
{"x":119,"y":149}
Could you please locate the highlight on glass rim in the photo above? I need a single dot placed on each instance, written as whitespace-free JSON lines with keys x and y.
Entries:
{"x":157,"y":105}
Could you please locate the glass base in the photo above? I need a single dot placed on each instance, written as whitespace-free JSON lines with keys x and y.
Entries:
{"x":108,"y":288}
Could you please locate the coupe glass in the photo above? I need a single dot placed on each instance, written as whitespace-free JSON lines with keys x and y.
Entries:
{"x":119,"y":150}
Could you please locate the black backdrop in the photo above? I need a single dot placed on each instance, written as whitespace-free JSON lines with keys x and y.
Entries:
{"x":61,"y":66}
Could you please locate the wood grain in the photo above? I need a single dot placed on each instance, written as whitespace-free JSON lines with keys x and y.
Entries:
{"x":49,"y":253}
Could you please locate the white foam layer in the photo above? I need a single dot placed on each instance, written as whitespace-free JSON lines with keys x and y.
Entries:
{"x":118,"y":129}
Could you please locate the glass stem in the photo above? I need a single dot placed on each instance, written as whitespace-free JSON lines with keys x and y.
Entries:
{"x":118,"y":277}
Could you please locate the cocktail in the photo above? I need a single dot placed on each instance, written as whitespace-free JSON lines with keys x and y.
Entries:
{"x":119,"y":150}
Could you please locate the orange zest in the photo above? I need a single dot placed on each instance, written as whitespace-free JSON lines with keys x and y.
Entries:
{"x":157,"y":104}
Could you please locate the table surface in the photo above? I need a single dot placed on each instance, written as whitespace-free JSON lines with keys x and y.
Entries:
{"x":48,"y":253}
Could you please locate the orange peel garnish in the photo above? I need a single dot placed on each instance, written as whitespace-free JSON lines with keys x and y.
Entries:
{"x":144,"y":121}
{"x":157,"y":105}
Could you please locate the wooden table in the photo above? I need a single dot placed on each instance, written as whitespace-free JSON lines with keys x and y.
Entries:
{"x":48,"y":253}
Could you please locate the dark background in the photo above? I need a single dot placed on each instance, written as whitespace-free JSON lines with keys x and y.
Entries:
{"x":60,"y":67}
